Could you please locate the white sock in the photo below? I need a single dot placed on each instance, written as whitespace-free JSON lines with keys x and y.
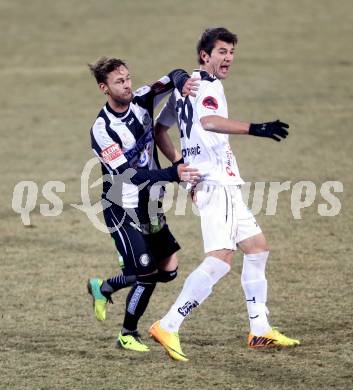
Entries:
{"x":197,"y":287}
{"x":254,"y":284}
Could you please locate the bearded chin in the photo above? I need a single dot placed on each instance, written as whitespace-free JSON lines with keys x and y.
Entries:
{"x":123,"y":102}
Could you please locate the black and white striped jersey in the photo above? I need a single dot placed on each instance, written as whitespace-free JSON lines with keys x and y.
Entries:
{"x":125,"y":140}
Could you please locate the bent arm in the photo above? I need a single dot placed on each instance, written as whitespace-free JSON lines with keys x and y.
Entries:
{"x":161,"y":88}
{"x":219,"y":124}
{"x":165,"y":120}
{"x":165,"y":143}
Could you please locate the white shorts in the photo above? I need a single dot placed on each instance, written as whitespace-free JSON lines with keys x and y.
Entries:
{"x":225,"y":219}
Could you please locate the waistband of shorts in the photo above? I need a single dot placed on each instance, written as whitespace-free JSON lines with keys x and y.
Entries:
{"x":206,"y":186}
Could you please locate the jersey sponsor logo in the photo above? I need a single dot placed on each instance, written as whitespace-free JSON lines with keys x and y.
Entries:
{"x":139,"y":147}
{"x":187,"y":307}
{"x":210,"y":102}
{"x":229,"y":157}
{"x":144,"y":260}
{"x":229,"y":171}
{"x":192,"y":151}
{"x":111,"y":153}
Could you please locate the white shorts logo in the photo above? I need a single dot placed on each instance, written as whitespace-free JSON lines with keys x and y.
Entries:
{"x":144,"y":259}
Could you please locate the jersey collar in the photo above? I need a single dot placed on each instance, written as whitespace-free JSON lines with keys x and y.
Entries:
{"x":205,"y":75}
{"x":117,"y":114}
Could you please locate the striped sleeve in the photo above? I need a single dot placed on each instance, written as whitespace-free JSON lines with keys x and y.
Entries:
{"x":156,"y":91}
{"x":108,"y":151}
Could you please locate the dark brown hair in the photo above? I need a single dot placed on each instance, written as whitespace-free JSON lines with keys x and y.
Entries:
{"x":103,"y":66}
{"x":209,"y":38}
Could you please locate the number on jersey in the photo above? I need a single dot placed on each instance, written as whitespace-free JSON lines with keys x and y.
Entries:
{"x":185,"y":115}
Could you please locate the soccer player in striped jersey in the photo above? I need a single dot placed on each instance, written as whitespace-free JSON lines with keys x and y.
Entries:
{"x":122,"y":138}
{"x":226,"y":223}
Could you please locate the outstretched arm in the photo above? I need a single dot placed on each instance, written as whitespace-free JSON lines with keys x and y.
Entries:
{"x":275,"y":130}
{"x":219,"y":124}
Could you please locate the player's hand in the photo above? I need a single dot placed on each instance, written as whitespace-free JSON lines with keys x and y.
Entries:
{"x":275,"y":130}
{"x":191,"y":86}
{"x":188,"y":174}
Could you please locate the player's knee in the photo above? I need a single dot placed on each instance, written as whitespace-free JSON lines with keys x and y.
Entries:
{"x":261,"y":244}
{"x":150,"y":278}
{"x":167,"y":276}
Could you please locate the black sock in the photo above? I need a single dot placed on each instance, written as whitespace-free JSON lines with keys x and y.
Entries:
{"x":117,"y":282}
{"x":136,"y":304}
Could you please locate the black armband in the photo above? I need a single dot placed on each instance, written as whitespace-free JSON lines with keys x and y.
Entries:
{"x":181,"y":161}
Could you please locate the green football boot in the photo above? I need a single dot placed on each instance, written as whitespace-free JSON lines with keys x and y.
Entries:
{"x":99,"y":300}
{"x":132,"y":342}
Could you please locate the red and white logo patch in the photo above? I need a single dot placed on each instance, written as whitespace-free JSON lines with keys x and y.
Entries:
{"x":111,"y":153}
{"x":210,"y":102}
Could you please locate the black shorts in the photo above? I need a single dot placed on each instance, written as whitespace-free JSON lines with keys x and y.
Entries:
{"x":141,"y":253}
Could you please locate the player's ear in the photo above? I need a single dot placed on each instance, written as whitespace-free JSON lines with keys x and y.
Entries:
{"x":204,"y":56}
{"x":103,"y":87}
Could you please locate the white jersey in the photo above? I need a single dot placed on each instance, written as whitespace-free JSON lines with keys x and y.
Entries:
{"x":207,"y":151}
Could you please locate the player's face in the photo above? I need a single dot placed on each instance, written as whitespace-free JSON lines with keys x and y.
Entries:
{"x":118,"y":86}
{"x":220,"y":60}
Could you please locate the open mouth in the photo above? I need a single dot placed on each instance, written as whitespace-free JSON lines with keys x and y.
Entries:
{"x":224,"y":68}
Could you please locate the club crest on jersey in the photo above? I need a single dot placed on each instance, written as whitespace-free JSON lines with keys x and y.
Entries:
{"x":210,"y":102}
{"x":144,"y":158}
{"x":146,"y":121}
{"x":111,"y":153}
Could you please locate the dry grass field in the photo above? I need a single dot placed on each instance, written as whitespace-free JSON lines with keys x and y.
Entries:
{"x":294,"y":61}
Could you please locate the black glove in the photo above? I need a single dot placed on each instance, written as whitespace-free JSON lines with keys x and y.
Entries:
{"x":275,"y":130}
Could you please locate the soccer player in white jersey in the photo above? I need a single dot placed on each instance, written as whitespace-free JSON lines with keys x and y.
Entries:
{"x":226,"y":222}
